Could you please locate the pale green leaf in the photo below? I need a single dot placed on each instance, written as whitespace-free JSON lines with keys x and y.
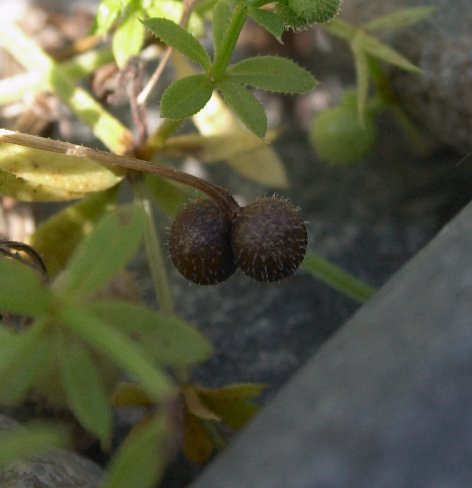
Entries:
{"x":27,"y":191}
{"x":128,"y":39}
{"x":181,"y":40}
{"x":244,"y":105}
{"x":399,"y":18}
{"x":172,"y":10}
{"x":120,"y":350}
{"x":56,"y":238}
{"x":186,"y":97}
{"x":221,"y":18}
{"x":20,"y":363}
{"x":272,"y":73}
{"x":378,"y":49}
{"x":30,"y":441}
{"x":165,"y":338}
{"x":84,"y":390}
{"x":271,"y":21}
{"x":106,"y":250}
{"x":142,"y":457}
{"x":21,"y":289}
{"x":107,"y":13}
{"x":246,"y":153}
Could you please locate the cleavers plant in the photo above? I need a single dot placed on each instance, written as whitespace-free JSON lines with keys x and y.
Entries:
{"x":65,"y":341}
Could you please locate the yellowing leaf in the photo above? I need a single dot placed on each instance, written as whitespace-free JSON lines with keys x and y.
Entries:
{"x":232,"y":403}
{"x":197,"y":445}
{"x":127,"y":394}
{"x":195,"y":405}
{"x":69,"y":174}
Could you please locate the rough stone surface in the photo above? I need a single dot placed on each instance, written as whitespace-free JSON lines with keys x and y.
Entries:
{"x":59,"y":469}
{"x":440,"y":100}
{"x":387,"y":401}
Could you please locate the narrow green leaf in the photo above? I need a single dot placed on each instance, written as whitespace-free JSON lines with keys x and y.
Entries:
{"x":23,"y":443}
{"x":56,"y":238}
{"x":165,"y":338}
{"x":272,"y":73}
{"x":181,"y":40}
{"x":119,"y":349}
{"x":128,"y":39}
{"x":245,"y":106}
{"x":271,"y":21}
{"x":337,"y":278}
{"x":21,"y":289}
{"x":315,"y":10}
{"x":106,"y":250}
{"x":378,"y":49}
{"x":22,"y":357}
{"x":221,"y":18}
{"x":141,"y":458}
{"x":362,"y":78}
{"x":168,"y":195}
{"x":186,"y":97}
{"x":399,"y":18}
{"x":84,"y":390}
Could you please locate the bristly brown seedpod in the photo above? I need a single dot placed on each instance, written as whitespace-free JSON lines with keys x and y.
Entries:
{"x":200,"y":243}
{"x":269,"y":239}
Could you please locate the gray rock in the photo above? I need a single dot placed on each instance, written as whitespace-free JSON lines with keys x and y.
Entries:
{"x":439,"y":100}
{"x":58,"y":469}
{"x":387,"y":401}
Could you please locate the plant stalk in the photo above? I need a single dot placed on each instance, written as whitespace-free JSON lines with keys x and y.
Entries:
{"x":223,"y":56}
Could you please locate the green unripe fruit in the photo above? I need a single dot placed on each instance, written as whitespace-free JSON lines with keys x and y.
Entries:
{"x":269,"y":239}
{"x":200,"y":243}
{"x":340,"y":138}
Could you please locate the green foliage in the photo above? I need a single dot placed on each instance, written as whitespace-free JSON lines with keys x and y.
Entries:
{"x":336,"y":134}
{"x":69,"y":227}
{"x":141,"y":459}
{"x":84,"y":389}
{"x":66,"y":342}
{"x":186,"y":96}
{"x":181,"y":40}
{"x":111,"y":245}
{"x":244,"y":105}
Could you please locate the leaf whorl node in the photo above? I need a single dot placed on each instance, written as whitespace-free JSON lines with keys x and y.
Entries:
{"x":269,"y":239}
{"x":200,"y":243}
